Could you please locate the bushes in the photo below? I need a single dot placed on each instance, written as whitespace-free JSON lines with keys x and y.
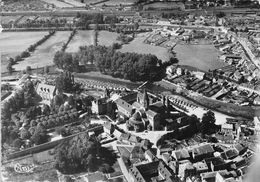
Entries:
{"x":125,"y":38}
{"x":25,"y":54}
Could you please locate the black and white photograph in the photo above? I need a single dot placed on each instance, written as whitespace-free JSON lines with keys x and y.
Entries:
{"x":130,"y":90}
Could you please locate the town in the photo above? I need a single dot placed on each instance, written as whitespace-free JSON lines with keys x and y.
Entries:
{"x":130,"y":91}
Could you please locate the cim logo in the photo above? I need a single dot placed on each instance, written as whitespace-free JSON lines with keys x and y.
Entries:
{"x":24,"y":168}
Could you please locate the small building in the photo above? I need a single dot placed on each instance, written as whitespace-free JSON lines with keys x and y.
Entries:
{"x":180,"y":155}
{"x":124,"y":137}
{"x":124,"y":108}
{"x":216,"y":163}
{"x":202,"y":151}
{"x":153,"y":171}
{"x":241,"y":149}
{"x":102,"y":106}
{"x":227,"y":129}
{"x":229,"y":154}
{"x":201,"y":167}
{"x":150,"y":156}
{"x":109,"y":128}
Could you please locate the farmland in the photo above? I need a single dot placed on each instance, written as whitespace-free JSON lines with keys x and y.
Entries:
{"x":13,"y":43}
{"x":44,"y":54}
{"x":85,"y":38}
{"x":59,"y":4}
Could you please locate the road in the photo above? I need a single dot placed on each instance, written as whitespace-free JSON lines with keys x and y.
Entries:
{"x":252,"y":57}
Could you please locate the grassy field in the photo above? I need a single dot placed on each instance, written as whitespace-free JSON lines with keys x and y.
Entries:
{"x":138,"y":46}
{"x":204,"y":57}
{"x":8,"y":19}
{"x":82,"y":38}
{"x":13,"y":43}
{"x":43,"y":55}
{"x":85,"y":38}
{"x":58,"y":4}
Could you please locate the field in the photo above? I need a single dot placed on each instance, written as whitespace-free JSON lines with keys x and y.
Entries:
{"x":204,"y":57}
{"x":58,"y":4}
{"x":85,"y":38}
{"x":43,"y":55}
{"x":8,"y":19}
{"x":81,"y":38}
{"x":16,"y":42}
{"x":117,"y":2}
{"x":75,"y":3}
{"x":138,"y":46}
{"x":24,"y":5}
{"x":13,"y":43}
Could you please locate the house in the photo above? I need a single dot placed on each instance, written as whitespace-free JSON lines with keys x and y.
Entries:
{"x":240,"y":148}
{"x":182,"y":154}
{"x":227,"y":129}
{"x":216,"y":163}
{"x":228,"y":139}
{"x":229,"y":154}
{"x":150,"y":155}
{"x":134,"y":139}
{"x":146,"y":144}
{"x":152,"y":171}
{"x":102,"y":106}
{"x":239,"y":162}
{"x":198,"y":74}
{"x":211,"y":176}
{"x":124,"y":137}
{"x":202,"y":151}
{"x":109,"y":128}
{"x":166,"y":157}
{"x":47,"y":92}
{"x":137,"y":153}
{"x":185,"y":169}
{"x":117,"y":133}
{"x":124,"y":108}
{"x":201,"y":167}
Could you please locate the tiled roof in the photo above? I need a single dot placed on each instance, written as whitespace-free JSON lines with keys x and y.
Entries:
{"x":123,"y":104}
{"x":125,"y":136}
{"x":151,"y":113}
{"x":181,"y":154}
{"x":203,"y":149}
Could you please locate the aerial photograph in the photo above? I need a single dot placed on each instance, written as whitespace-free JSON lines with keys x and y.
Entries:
{"x":130,"y":90}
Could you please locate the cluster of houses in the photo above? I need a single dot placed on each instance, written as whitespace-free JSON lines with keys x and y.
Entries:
{"x":199,"y":162}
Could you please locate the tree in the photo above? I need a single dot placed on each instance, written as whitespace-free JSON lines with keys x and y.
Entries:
{"x":46,"y":109}
{"x":25,"y":54}
{"x":17,"y":143}
{"x":76,"y":155}
{"x":9,"y":68}
{"x":208,"y":122}
{"x":28,"y":69}
{"x":18,"y":58}
{"x":39,"y":137}
{"x":25,"y":134}
{"x":46,"y":69}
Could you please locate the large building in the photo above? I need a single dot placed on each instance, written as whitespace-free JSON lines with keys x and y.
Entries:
{"x":47,"y":92}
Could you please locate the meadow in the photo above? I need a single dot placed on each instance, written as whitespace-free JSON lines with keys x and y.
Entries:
{"x":13,"y":43}
{"x":204,"y":57}
{"x":138,"y":46}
